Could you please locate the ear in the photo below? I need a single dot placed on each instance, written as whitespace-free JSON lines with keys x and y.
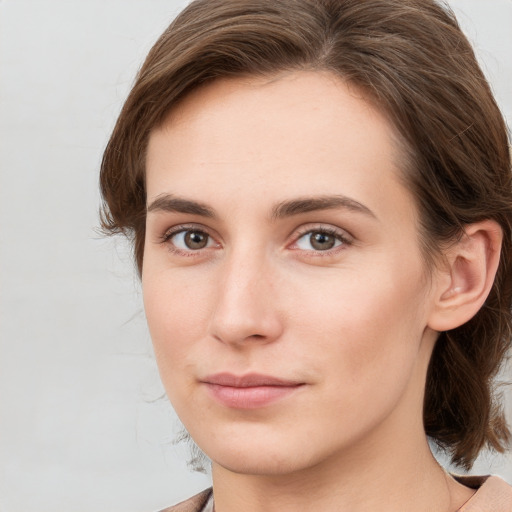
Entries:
{"x":463,"y":284}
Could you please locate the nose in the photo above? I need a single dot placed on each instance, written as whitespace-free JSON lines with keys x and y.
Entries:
{"x":246,"y":309}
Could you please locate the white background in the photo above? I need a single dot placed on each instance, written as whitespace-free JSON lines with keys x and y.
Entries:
{"x":83,"y":425}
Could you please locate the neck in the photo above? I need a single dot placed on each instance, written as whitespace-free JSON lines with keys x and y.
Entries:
{"x":375,"y":476}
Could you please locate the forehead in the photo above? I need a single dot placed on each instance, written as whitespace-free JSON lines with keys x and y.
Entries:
{"x":278,"y":100}
{"x":297,"y":133}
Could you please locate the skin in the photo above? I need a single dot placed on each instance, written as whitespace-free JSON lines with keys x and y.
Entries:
{"x":354,"y":324}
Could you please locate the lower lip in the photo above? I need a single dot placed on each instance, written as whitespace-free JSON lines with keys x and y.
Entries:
{"x":252,"y":397}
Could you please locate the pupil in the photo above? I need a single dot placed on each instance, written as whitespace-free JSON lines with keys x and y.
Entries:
{"x":195,"y":240}
{"x":322,"y":241}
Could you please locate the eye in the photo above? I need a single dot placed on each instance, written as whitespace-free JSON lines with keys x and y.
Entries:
{"x":189,"y":240}
{"x":320,"y":240}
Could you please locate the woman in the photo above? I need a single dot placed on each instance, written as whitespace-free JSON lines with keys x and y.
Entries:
{"x":319,"y":195}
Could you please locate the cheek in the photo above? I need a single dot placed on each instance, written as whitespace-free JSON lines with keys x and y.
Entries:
{"x":358,"y":331}
{"x":174,"y":319}
{"x":176,"y":309}
{"x":365,"y":329}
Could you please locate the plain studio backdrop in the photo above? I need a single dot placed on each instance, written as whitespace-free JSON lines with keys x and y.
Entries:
{"x":83,"y":422}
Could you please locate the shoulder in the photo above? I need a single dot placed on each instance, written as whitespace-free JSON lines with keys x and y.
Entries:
{"x":194,"y":504}
{"x":493,"y":494}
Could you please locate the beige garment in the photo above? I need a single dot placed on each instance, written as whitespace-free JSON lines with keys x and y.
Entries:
{"x":194,"y":504}
{"x":493,"y":495}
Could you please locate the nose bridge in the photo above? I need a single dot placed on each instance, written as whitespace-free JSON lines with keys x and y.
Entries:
{"x":244,"y":308}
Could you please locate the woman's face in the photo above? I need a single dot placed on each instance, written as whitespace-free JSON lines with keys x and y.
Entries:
{"x":284,"y":287}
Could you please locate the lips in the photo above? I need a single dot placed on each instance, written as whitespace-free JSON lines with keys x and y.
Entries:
{"x":250,"y":391}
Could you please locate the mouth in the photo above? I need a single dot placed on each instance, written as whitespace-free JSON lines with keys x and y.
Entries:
{"x":250,"y":391}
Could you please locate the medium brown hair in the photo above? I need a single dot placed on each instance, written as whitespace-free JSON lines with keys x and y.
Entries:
{"x":412,"y":60}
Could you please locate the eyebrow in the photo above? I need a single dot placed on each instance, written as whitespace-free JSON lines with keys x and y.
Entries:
{"x":170,"y":203}
{"x":310,"y":204}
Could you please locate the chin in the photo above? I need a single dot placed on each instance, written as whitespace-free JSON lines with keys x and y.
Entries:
{"x":252,"y":455}
{"x":260,"y":464}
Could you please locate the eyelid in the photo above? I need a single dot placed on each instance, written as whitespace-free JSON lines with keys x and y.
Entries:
{"x":341,"y":234}
{"x":178,"y":228}
{"x":166,"y":238}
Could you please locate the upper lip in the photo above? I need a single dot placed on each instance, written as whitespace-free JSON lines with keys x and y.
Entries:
{"x":247,"y":381}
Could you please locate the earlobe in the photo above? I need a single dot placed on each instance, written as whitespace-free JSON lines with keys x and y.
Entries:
{"x":464,"y":284}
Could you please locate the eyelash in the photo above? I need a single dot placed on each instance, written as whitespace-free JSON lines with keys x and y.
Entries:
{"x":166,"y":239}
{"x":337,"y":234}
